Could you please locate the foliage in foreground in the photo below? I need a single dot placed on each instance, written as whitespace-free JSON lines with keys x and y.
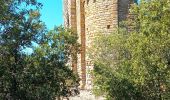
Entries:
{"x":43,"y":74}
{"x":136,"y":65}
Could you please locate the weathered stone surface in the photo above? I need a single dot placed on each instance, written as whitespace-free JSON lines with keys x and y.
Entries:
{"x":88,"y":18}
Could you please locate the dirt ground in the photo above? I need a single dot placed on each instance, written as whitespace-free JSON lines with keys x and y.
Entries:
{"x":86,"y":95}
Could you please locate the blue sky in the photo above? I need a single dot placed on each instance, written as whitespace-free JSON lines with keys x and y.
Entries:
{"x":51,"y":13}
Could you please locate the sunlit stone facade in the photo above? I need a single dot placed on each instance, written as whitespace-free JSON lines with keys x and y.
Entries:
{"x":88,"y":18}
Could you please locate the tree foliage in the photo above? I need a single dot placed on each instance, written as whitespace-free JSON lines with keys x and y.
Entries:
{"x":43,"y":74}
{"x":135,"y":65}
{"x":47,"y":75}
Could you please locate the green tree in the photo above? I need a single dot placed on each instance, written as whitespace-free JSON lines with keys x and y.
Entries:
{"x":19,"y":27}
{"x":42,"y":75}
{"x":135,"y":65}
{"x":47,"y":74}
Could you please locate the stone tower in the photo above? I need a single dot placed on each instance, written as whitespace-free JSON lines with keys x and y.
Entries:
{"x":90,"y":17}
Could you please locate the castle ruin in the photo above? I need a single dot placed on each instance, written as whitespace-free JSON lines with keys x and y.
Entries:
{"x":87,"y":18}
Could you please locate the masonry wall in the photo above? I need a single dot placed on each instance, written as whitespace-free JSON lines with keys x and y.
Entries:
{"x":65,"y":13}
{"x":78,"y":13}
{"x":123,"y":9}
{"x":88,"y":18}
{"x":81,"y":34}
{"x":70,"y":21}
{"x":101,"y":17}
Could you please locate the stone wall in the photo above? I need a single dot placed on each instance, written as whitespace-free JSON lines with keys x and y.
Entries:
{"x":88,"y":18}
{"x":70,"y":21}
{"x":65,"y":13}
{"x":101,"y":17}
{"x":81,"y":33}
{"x":123,"y":6}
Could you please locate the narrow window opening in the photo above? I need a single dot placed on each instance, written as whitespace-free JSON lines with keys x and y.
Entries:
{"x":87,"y":2}
{"x":108,"y":26}
{"x":83,"y":4}
{"x":68,"y":21}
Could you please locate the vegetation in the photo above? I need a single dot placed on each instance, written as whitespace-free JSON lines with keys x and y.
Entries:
{"x":43,"y":74}
{"x":130,"y":64}
{"x":135,"y":65}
